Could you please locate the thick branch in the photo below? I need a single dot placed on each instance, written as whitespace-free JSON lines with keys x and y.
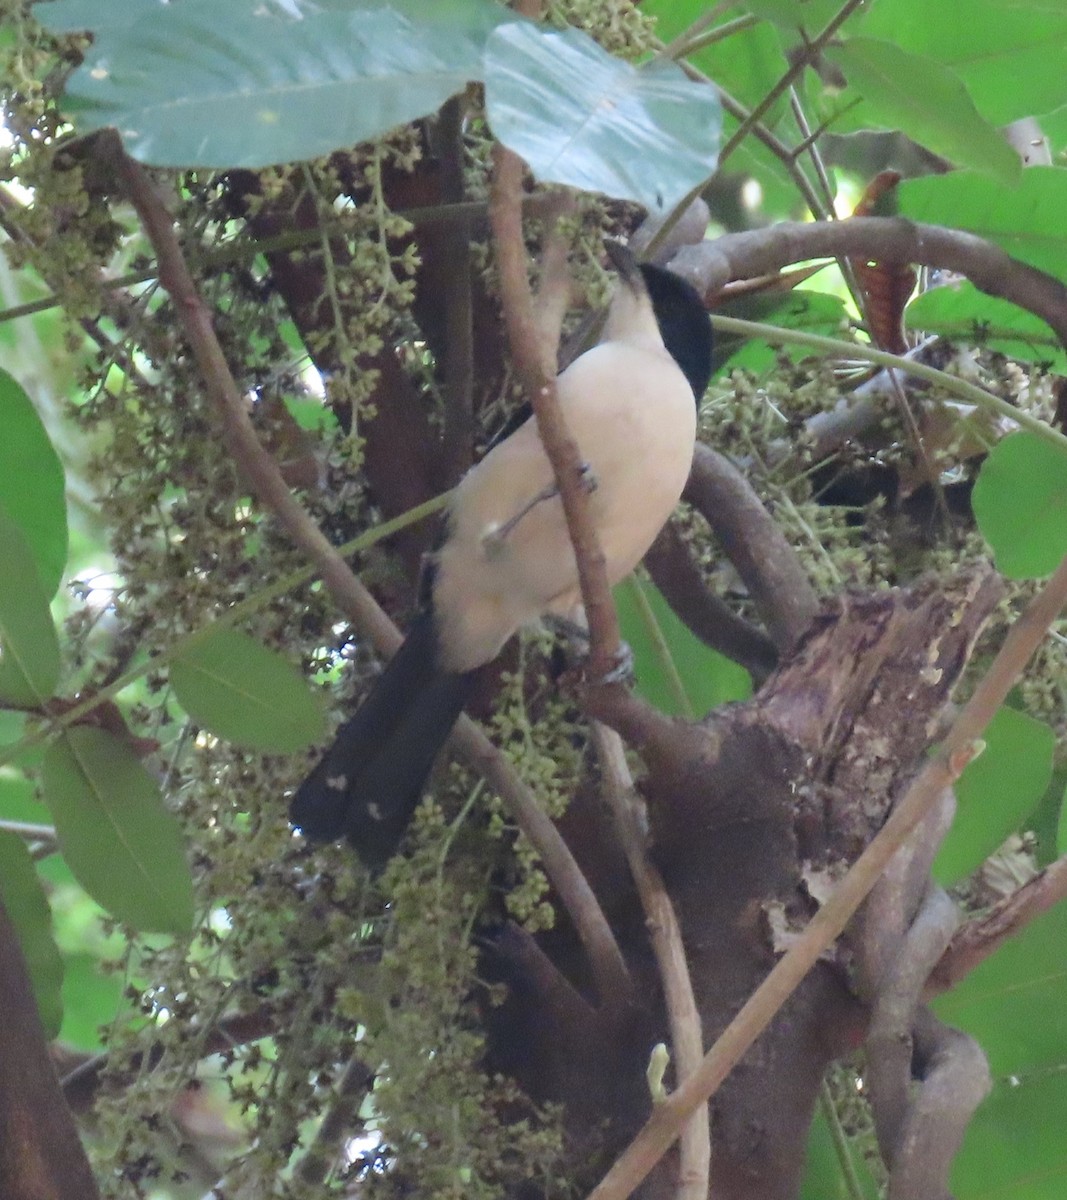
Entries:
{"x":716,"y":624}
{"x":754,"y":544}
{"x":939,"y":773}
{"x":41,"y":1155}
{"x":891,"y":240}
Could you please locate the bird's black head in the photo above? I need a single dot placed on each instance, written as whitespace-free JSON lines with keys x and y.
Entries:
{"x":683,"y":322}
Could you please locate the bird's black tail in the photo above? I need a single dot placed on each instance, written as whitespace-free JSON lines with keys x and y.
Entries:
{"x":370,"y":780}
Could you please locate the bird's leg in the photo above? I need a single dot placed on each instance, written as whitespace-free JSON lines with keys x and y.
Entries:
{"x":622,"y":671}
{"x":494,"y":539}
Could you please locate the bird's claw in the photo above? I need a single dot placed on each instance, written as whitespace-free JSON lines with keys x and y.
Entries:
{"x":621,"y":670}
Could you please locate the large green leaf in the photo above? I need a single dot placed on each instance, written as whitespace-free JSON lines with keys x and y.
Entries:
{"x":905,"y":91}
{"x":674,"y":669}
{"x":1009,"y":53}
{"x":1013,"y":1003}
{"x":582,"y":118}
{"x":1026,"y":220}
{"x":29,"y":648}
{"x":1015,"y":1148}
{"x":813,"y":312}
{"x":997,"y":791}
{"x":31,"y":482}
{"x":27,"y":907}
{"x":235,"y":687}
{"x":185,"y":87}
{"x":961,"y":313}
{"x":747,"y":64}
{"x":1020,"y":503}
{"x":122,"y":844}
{"x":810,"y":15}
{"x":100,"y":16}
{"x":91,"y":998}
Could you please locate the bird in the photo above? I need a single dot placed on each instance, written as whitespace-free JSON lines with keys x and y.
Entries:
{"x":506,"y":561}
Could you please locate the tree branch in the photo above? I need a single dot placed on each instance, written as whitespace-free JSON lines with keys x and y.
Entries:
{"x":683,"y":1017}
{"x":41,"y":1155}
{"x":982,"y":937}
{"x":535,"y":363}
{"x":958,"y":748}
{"x":759,"y":252}
{"x":754,"y":544}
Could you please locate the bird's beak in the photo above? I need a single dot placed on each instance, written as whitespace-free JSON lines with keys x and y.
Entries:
{"x":625,"y":263}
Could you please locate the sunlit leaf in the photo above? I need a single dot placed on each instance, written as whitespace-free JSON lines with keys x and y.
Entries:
{"x":186,"y":86}
{"x":1009,"y":54}
{"x":924,"y":99}
{"x":961,"y":313}
{"x":578,"y":116}
{"x":1026,"y":219}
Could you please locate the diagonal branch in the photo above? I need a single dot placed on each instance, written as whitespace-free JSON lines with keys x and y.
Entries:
{"x":535,"y":363}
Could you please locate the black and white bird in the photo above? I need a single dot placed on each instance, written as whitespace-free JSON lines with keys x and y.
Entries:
{"x":630,"y":404}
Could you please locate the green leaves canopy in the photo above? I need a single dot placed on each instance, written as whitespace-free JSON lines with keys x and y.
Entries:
{"x":186,"y":88}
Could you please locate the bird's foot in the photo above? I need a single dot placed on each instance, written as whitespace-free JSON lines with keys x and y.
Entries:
{"x":621,"y":670}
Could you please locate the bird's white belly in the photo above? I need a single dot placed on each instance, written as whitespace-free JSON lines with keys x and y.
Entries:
{"x":632,"y":414}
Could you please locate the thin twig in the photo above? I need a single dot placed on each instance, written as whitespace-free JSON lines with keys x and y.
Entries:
{"x":535,"y":364}
{"x":799,"y":65}
{"x":683,"y":1017}
{"x":669,"y":1117}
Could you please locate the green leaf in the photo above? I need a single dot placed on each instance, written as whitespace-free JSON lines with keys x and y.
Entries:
{"x":27,"y":907}
{"x":926,"y":101}
{"x":824,"y":1178}
{"x":1026,"y":220}
{"x":29,"y":648}
{"x":186,"y":88}
{"x":1008,"y":53}
{"x":810,"y":15}
{"x":238,"y":689}
{"x":31,"y":483}
{"x":814,"y":312}
{"x":747,"y":64}
{"x":74,"y":16}
{"x":582,"y":118}
{"x":119,"y":840}
{"x":675,"y":671}
{"x":1013,"y":1001}
{"x":1020,"y":504}
{"x":1014,"y":1148}
{"x":961,"y":313}
{"x":91,"y":999}
{"x":996,"y":792}
{"x":1061,"y":824}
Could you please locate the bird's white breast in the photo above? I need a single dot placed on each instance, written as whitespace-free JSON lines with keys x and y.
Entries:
{"x":631,"y":411}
